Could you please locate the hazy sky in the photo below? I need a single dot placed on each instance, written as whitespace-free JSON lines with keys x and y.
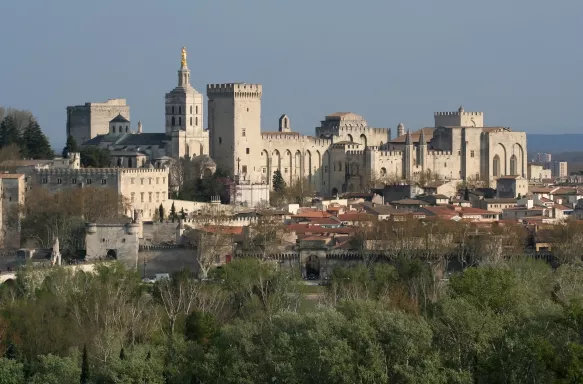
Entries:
{"x":519,"y":61}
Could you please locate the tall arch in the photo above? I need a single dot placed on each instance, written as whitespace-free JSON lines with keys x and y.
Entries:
{"x":308,"y":167}
{"x":496,"y":166}
{"x":298,"y":165}
{"x":363,"y":140}
{"x":513,"y":165}
{"x":287,"y":167}
{"x":265,"y":168}
{"x":350,"y":138}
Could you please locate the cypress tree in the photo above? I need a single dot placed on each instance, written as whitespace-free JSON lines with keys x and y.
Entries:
{"x":278,"y":182}
{"x":182,"y":214}
{"x":85,"y":367}
{"x":70,"y":146}
{"x":172,"y":212}
{"x":9,"y":132}
{"x":35,"y":143}
{"x":161,"y":213}
{"x":122,"y":354}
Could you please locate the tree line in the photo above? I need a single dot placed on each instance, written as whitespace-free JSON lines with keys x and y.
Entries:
{"x":20,"y":130}
{"x":509,"y":321}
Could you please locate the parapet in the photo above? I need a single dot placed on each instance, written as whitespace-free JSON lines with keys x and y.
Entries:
{"x":80,"y":171}
{"x":458,"y":113}
{"x":439,"y":153}
{"x":234,"y":90}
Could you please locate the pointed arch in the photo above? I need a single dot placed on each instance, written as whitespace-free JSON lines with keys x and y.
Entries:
{"x":496,"y":166}
{"x":513,"y":165}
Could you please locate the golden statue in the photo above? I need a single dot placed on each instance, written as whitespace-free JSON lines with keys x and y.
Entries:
{"x":184,"y":56}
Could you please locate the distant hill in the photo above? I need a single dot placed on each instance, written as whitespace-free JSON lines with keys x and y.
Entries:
{"x":568,"y":142}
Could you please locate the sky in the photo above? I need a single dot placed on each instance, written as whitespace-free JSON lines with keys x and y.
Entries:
{"x":518,"y":61}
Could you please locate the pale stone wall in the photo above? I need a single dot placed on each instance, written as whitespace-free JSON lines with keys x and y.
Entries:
{"x":119,"y":241}
{"x":459,"y":119}
{"x":537,"y":172}
{"x":145,"y":189}
{"x":84,"y":122}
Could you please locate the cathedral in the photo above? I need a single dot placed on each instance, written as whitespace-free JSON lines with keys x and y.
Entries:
{"x":344,"y":155}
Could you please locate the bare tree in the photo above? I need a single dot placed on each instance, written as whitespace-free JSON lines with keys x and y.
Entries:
{"x":266,"y":237}
{"x":211,"y":245}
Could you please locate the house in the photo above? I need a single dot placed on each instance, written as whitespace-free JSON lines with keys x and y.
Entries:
{"x":495,"y":205}
{"x":437,"y":199}
{"x":511,"y":187}
{"x":441,"y":187}
{"x":409,"y":204}
{"x":380,"y":211}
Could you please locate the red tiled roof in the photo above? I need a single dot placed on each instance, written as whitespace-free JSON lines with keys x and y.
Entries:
{"x":354,"y":216}
{"x":311,"y":213}
{"x":323,"y":220}
{"x":306,"y":228}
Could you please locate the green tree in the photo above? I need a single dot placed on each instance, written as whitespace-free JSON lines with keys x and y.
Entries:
{"x":85,"y":374}
{"x":95,"y":157}
{"x":11,"y":372}
{"x":161,"y":212}
{"x":122,"y":354}
{"x":70,"y":147}
{"x":35,"y":143}
{"x":173,"y":212}
{"x":182,"y":214}
{"x":56,"y":370}
{"x":278,"y":182}
{"x":10,"y":132}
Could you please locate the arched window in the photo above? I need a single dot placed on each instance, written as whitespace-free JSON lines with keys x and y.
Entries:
{"x":513,"y":170}
{"x":496,"y":166}
{"x":196,"y":121}
{"x":173,"y":121}
{"x":196,"y":109}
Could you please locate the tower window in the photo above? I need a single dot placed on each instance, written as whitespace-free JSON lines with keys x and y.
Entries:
{"x":197,"y":109}
{"x":133,"y":196}
{"x":103,"y":181}
{"x":244,"y":169}
{"x":220,"y":140}
{"x":191,"y":110}
{"x":180,"y":120}
{"x":196,"y":121}
{"x":172,"y":109}
{"x":191,"y":121}
{"x":247,"y":151}
{"x":142,"y":197}
{"x":243,"y":132}
{"x":59,"y":181}
{"x":173,"y":121}
{"x":472,"y":154}
{"x":179,"y":110}
{"x":88,"y":181}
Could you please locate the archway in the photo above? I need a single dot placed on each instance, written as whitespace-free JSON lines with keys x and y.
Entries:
{"x":313,"y":267}
{"x":334,"y":191}
{"x":350,"y":138}
{"x":111,"y":254}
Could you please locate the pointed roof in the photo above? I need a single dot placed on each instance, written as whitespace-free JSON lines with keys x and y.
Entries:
{"x":119,"y":119}
{"x":422,"y":138}
{"x":408,"y":137}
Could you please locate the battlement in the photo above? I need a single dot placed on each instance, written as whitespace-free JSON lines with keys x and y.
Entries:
{"x":439,"y":153}
{"x":153,"y":247}
{"x":355,"y":153}
{"x":390,"y":153}
{"x":80,"y":171}
{"x":143,"y":170}
{"x":319,"y":141}
{"x":234,"y":90}
{"x":458,"y":113}
{"x":362,"y":129}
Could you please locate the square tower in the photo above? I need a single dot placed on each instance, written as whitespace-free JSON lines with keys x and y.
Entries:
{"x":235,"y":129}
{"x":461,"y":118}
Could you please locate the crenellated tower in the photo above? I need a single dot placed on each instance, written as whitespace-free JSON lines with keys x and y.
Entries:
{"x":235,"y":129}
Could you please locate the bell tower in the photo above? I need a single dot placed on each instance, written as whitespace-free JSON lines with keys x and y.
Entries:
{"x":184,"y":105}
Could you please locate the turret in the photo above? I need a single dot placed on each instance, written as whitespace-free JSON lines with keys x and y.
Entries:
{"x":138,"y":220}
{"x":400,"y":130}
{"x":139,"y":127}
{"x":284,"y":124}
{"x":408,"y":138}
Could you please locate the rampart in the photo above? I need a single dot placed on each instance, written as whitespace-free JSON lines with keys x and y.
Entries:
{"x":234,"y":90}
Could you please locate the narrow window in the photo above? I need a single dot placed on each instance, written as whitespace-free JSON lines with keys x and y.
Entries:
{"x":142,"y":197}
{"x":45,"y":180}
{"x":103,"y":181}
{"x":73,"y":181}
{"x":196,"y":121}
{"x":157,"y":180}
{"x":247,"y":151}
{"x":150,"y":197}
{"x":472,"y":154}
{"x":132,"y":180}
{"x":88,"y":181}
{"x":180,"y":120}
{"x":243,"y":132}
{"x":59,"y":181}
{"x":173,"y":121}
{"x":191,"y":121}
{"x":180,"y":110}
{"x":172,"y":109}
{"x":157,"y":197}
{"x":197,"y":109}
{"x":142,"y":181}
{"x":133,"y":196}
{"x":191,"y":109}
{"x":244,"y":169}
{"x":220,"y":140}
